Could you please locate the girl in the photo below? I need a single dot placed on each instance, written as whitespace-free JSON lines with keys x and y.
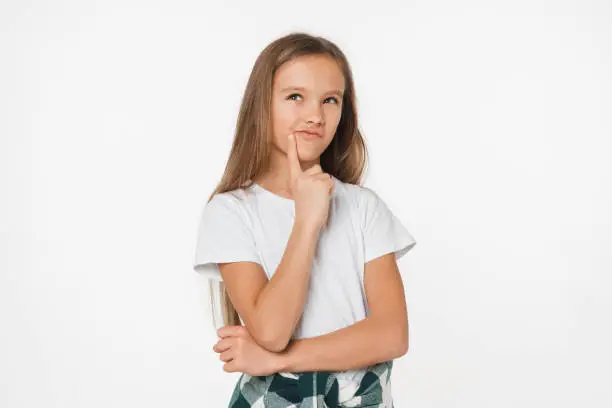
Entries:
{"x":305,"y":257}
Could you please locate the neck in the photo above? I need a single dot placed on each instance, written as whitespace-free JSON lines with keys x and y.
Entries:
{"x":276,"y":177}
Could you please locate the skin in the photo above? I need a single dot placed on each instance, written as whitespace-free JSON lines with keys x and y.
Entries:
{"x":317,"y":106}
{"x":381,"y":336}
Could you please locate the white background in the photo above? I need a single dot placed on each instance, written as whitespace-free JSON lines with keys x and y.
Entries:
{"x":489,"y":131}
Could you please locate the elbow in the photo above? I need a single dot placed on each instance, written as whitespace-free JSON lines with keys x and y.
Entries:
{"x":273,"y":341}
{"x":269,"y":336}
{"x":275,"y":346}
{"x":400,"y":341}
{"x":402,"y":349}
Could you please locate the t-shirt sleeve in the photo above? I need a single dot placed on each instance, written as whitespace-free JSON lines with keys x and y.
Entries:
{"x":383,"y":232}
{"x":223,"y":236}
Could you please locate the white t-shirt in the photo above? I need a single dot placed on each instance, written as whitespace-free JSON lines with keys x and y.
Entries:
{"x":254,"y":224}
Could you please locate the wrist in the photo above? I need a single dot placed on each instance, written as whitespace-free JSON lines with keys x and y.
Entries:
{"x":282,"y":361}
{"x":307,"y":228}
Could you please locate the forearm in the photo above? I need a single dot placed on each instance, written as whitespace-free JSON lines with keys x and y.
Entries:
{"x":367,"y":342}
{"x":280,"y":304}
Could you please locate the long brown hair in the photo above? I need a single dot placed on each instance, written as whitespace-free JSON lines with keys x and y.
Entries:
{"x":345,"y":158}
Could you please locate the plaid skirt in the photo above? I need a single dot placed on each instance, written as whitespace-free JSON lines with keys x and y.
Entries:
{"x":312,"y":389}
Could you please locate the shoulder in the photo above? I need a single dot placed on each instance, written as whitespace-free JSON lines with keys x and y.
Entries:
{"x":361,"y":196}
{"x":365,"y":205}
{"x":228,"y":205}
{"x":231,"y":199}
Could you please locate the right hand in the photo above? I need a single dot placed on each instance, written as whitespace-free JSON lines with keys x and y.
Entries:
{"x":311,"y":189}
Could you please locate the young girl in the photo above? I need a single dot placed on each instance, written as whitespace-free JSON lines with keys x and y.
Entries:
{"x":304,"y":255}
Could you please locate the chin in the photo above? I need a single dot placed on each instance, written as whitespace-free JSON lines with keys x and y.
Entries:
{"x":310,"y":158}
{"x":310,"y":154}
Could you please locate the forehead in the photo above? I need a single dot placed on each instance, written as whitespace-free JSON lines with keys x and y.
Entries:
{"x":316,"y":72}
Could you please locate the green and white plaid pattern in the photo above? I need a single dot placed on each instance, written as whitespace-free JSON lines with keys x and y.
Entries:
{"x":312,"y":389}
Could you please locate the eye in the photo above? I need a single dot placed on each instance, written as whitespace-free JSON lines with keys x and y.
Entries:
{"x":290,"y":97}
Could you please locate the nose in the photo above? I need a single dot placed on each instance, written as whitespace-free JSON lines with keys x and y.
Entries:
{"x":314,"y":114}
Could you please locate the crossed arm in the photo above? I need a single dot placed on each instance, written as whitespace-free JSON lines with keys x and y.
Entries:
{"x":381,"y":336}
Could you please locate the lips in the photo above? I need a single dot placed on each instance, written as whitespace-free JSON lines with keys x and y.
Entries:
{"x":310,"y":132}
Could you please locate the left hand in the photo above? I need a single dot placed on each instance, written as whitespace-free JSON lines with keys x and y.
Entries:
{"x":242,"y":354}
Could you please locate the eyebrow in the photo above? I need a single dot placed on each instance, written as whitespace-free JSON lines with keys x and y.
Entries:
{"x":298,"y":88}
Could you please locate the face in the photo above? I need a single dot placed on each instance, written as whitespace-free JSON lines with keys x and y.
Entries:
{"x":307,"y":94}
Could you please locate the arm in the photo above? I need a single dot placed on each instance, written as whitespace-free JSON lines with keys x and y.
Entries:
{"x":272,"y":308}
{"x":379,"y":337}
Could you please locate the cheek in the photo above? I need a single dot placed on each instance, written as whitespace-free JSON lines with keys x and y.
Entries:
{"x":332,"y":117}
{"x":282,"y":113}
{"x":281,"y":123}
{"x":285,"y":119}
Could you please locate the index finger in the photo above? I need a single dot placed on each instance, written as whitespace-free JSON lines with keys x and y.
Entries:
{"x":222,"y":345}
{"x":295,"y":168}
